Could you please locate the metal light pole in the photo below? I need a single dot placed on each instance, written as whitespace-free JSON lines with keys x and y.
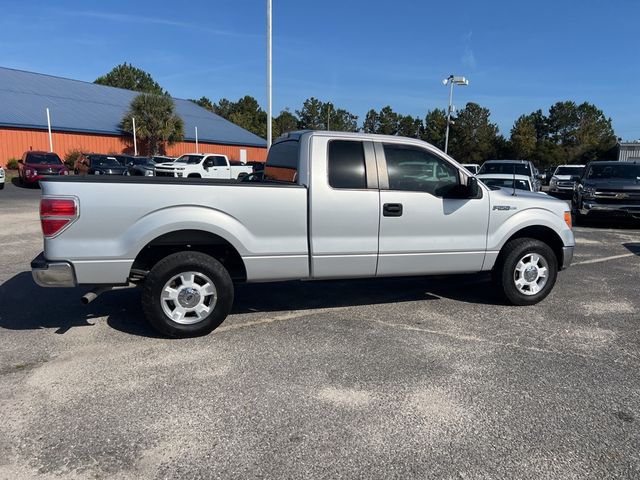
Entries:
{"x":451,"y":80}
{"x":135,"y":140}
{"x":269,"y":75}
{"x":328,"y":115}
{"x":49,"y":128}
{"x":197,"y":151}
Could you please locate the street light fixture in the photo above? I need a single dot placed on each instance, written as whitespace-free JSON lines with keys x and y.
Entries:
{"x":451,"y":80}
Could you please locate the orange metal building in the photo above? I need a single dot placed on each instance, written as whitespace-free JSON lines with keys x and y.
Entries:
{"x":15,"y":141}
{"x":87,"y":117}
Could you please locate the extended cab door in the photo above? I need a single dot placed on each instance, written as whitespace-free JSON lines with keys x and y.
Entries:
{"x":422,"y":231}
{"x":344,"y":208}
{"x":216,"y":166}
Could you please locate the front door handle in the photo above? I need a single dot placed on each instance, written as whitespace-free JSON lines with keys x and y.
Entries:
{"x":392,"y":210}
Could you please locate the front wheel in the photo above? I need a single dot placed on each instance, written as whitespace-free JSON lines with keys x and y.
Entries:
{"x":526,"y":271}
{"x":187,"y":294}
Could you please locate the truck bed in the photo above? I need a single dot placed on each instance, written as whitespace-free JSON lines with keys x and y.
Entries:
{"x":119,"y":216}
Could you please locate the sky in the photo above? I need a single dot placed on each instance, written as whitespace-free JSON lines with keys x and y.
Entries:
{"x":519,"y":56}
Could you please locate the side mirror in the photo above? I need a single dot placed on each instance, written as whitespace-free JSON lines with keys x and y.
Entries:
{"x":576,"y":178}
{"x":208,"y":163}
{"x":472,"y":187}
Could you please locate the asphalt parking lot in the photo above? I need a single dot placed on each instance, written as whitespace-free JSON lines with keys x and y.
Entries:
{"x":397,"y":378}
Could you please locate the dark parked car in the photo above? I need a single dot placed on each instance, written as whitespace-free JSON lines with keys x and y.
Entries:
{"x":97,"y":164}
{"x":141,"y":166}
{"x":253,"y":177}
{"x":36,"y":165}
{"x":257,"y":166}
{"x":608,"y":189}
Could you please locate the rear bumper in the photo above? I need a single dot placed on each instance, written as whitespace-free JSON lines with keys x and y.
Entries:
{"x":52,"y":273}
{"x":567,"y":257}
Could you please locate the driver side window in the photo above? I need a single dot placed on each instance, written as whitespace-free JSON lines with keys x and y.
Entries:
{"x":414,"y":169}
{"x":219,"y":162}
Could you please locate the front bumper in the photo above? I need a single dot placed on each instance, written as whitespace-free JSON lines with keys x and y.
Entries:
{"x":610,"y":208}
{"x":567,"y":257}
{"x":560,"y":189}
{"x":52,"y":273}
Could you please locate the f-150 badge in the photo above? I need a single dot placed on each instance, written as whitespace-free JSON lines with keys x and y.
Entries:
{"x":504,"y":207}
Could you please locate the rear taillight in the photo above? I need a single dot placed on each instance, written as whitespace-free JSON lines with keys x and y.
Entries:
{"x":56,"y":214}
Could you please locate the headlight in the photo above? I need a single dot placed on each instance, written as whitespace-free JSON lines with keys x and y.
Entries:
{"x":30,"y":172}
{"x":149,"y":173}
{"x":588,"y":192}
{"x":97,"y":172}
{"x":64,"y":172}
{"x":553,"y":181}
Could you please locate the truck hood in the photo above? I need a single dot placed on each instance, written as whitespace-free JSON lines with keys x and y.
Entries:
{"x":504,"y":199}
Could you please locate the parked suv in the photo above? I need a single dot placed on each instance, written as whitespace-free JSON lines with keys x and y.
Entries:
{"x":37,"y":165}
{"x":512,"y":167}
{"x":608,"y":189}
{"x":2,"y":176}
{"x":96,"y":164}
{"x":564,"y":178}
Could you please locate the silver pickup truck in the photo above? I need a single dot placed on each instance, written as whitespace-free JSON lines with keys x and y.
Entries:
{"x":331,"y":205}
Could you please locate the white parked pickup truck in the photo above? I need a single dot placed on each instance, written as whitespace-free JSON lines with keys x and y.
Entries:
{"x":332,"y":205}
{"x":202,"y":165}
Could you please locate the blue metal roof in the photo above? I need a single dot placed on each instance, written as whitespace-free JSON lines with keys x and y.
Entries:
{"x":77,"y":106}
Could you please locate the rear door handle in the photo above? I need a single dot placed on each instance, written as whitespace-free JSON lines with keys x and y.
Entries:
{"x":392,"y":210}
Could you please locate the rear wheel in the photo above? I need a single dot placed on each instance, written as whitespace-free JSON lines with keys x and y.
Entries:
{"x":194,"y":175}
{"x":187,"y":294}
{"x":526,"y":271}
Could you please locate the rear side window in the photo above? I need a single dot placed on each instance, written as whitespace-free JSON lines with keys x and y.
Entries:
{"x":219,"y":162}
{"x":282,"y":161}
{"x":346,"y":164}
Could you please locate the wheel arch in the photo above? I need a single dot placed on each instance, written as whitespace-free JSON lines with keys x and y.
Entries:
{"x":190,"y":239}
{"x":542,"y":233}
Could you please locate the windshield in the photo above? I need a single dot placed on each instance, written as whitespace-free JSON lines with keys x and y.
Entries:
{"x":143,"y":161}
{"x":104,"y":162}
{"x":190,"y":159}
{"x":506,"y":183}
{"x":43,"y":159}
{"x":615,"y":171}
{"x":506,"y":167}
{"x":569,"y":171}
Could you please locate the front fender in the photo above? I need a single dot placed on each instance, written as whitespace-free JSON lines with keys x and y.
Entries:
{"x":502,"y":229}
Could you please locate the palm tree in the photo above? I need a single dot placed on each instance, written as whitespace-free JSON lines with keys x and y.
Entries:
{"x":156,"y":121}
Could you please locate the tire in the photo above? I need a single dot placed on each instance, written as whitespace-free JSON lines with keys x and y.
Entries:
{"x":185,"y":295}
{"x":194,"y":175}
{"x":1,"y":186}
{"x":517,"y":282}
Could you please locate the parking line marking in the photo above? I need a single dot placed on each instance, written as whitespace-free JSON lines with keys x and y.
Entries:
{"x":604,"y":259}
